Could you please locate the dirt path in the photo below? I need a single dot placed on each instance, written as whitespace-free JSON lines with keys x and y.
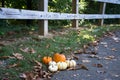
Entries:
{"x":103,"y":66}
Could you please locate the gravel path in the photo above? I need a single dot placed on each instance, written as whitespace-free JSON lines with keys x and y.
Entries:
{"x":103,"y":66}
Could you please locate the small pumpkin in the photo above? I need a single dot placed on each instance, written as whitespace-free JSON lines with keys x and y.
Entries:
{"x":62,"y":65}
{"x":46,"y":59}
{"x":59,"y":57}
{"x":53,"y":68}
{"x":71,"y":63}
{"x":52,"y":63}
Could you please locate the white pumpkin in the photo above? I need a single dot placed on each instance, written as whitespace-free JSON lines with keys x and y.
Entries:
{"x":52,"y":63}
{"x":71,"y":63}
{"x":53,"y":68}
{"x":62,"y":65}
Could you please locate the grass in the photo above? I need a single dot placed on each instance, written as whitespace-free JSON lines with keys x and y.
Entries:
{"x":66,"y":43}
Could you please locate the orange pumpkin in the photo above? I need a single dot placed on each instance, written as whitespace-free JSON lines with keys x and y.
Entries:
{"x":46,"y":59}
{"x":59,"y":57}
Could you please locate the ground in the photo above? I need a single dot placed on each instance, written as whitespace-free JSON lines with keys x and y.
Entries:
{"x":95,"y":49}
{"x":105,"y":65}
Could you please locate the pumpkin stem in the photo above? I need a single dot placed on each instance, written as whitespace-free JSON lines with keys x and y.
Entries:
{"x":61,"y":52}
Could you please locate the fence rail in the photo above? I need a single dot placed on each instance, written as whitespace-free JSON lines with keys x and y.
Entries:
{"x":8,"y":13}
{"x":109,"y":1}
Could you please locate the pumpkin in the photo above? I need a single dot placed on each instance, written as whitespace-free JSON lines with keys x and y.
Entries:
{"x":62,"y":65}
{"x":52,"y":63}
{"x":53,"y":68}
{"x":59,"y":57}
{"x":46,"y":59}
{"x":71,"y":63}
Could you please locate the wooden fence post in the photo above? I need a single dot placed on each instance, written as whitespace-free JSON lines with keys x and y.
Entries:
{"x":43,"y":24}
{"x":75,"y":9}
{"x":102,"y":11}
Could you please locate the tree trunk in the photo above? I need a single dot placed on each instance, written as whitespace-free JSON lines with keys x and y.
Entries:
{"x":29,"y":7}
{"x":3,"y":3}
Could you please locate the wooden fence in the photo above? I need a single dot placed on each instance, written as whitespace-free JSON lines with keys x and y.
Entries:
{"x":43,"y":15}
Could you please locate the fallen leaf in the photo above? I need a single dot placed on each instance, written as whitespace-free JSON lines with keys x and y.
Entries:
{"x":93,"y":56}
{"x":116,"y":75}
{"x":13,"y":65}
{"x":111,"y":34}
{"x":92,"y":52}
{"x":101,"y":72}
{"x":83,"y":67}
{"x":104,"y":43}
{"x":27,"y":76}
{"x":5,"y":79}
{"x":28,"y":50}
{"x":98,"y":65}
{"x":48,"y":45}
{"x":86,"y":61}
{"x":84,"y":48}
{"x":32,"y":50}
{"x":80,"y":51}
{"x":23,"y":76}
{"x":116,"y":39}
{"x":95,"y":43}
{"x":11,"y":33}
{"x":74,"y":56}
{"x":114,"y":49}
{"x":4,"y":57}
{"x":109,"y":57}
{"x":2,"y":44}
{"x":18,"y":56}
{"x":1,"y":62}
{"x":79,"y":66}
{"x":24,"y":50}
{"x":38,"y":63}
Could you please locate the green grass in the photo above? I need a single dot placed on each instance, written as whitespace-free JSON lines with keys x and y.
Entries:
{"x":68,"y":43}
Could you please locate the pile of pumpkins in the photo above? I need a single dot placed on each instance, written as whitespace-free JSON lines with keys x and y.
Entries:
{"x":58,"y":62}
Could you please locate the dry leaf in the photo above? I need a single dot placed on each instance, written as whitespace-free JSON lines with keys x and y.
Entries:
{"x":109,"y":57}
{"x":98,"y":65}
{"x":79,"y":66}
{"x":18,"y":56}
{"x":48,"y":45}
{"x":86,"y":61}
{"x":83,"y":67}
{"x":32,"y":50}
{"x":27,"y":76}
{"x":2,"y":44}
{"x":93,"y":56}
{"x":23,"y":76}
{"x":13,"y":65}
{"x":28,"y":50}
{"x":101,"y":72}
{"x":116,"y":39}
{"x":24,"y":50}
{"x":84,"y":48}
{"x":5,"y":79}
{"x":104,"y":43}
{"x":1,"y":62}
{"x":92,"y":52}
{"x":74,"y":56}
{"x":95,"y":43}
{"x":80,"y":51}
{"x":4,"y":57}
{"x":38,"y":63}
{"x":114,"y":49}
